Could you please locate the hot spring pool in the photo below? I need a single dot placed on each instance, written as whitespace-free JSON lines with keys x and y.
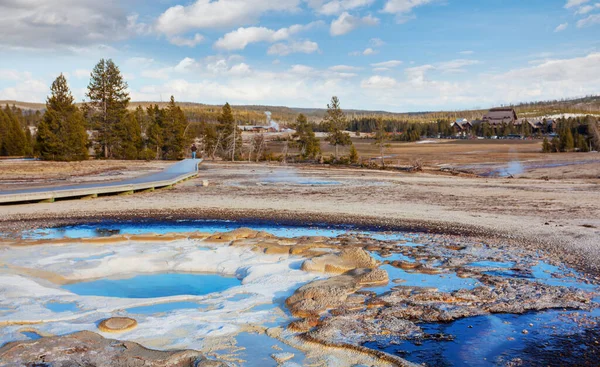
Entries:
{"x":155,"y":285}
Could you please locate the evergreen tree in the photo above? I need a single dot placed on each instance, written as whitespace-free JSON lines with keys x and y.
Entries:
{"x":232,"y":136}
{"x":107,"y":110}
{"x":567,"y":142}
{"x":335,"y":122}
{"x":154,"y":134}
{"x":546,"y":146}
{"x":13,"y":136}
{"x":61,"y":133}
{"x":306,"y":140}
{"x":353,"y":154}
{"x":174,"y":124}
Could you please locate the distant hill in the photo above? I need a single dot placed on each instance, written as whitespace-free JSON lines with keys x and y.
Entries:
{"x":254,"y":113}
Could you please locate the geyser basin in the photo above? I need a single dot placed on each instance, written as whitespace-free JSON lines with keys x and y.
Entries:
{"x":155,"y":286}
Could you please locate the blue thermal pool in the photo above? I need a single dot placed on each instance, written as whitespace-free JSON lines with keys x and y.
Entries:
{"x":155,"y":285}
{"x":109,"y":228}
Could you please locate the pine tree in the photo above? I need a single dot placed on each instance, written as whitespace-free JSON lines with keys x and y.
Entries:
{"x":567,"y":142}
{"x":61,"y":133}
{"x":154,"y":135}
{"x":109,"y":99}
{"x":546,"y":146}
{"x":305,"y":137}
{"x":232,"y":136}
{"x":335,"y":121}
{"x":353,"y":154}
{"x":174,"y":125}
{"x":14,"y":140}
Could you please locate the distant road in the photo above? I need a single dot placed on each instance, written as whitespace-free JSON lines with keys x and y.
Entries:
{"x":179,"y":171}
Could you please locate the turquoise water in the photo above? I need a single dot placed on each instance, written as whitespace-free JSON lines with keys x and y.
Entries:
{"x":62,"y":307}
{"x":155,"y":285}
{"x":164,"y":307}
{"x":210,"y":226}
{"x":446,"y":282}
{"x":492,"y":264}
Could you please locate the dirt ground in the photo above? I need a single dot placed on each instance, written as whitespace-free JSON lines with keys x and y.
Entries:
{"x":482,"y":157}
{"x":558,"y":213}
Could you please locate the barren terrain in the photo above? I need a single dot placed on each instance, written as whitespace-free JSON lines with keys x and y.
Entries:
{"x":558,"y":214}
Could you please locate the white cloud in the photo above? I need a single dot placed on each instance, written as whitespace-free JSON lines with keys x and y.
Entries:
{"x":369,"y":51}
{"x":574,"y":3}
{"x":404,"y":6}
{"x":346,"y":23}
{"x":387,"y":64}
{"x":589,"y":21}
{"x":65,"y":23}
{"x":366,"y":52}
{"x":344,"y":68}
{"x":467,"y":52}
{"x":416,"y":75}
{"x":455,"y":66}
{"x":25,"y":88}
{"x":206,"y":14}
{"x":376,"y":42}
{"x":587,"y":8}
{"x":338,"y":6}
{"x":283,"y":49}
{"x":189,"y":42}
{"x":378,"y":82}
{"x":240,"y":38}
{"x":561,"y":27}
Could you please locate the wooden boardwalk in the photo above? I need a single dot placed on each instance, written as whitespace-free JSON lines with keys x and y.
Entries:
{"x":178,"y":172}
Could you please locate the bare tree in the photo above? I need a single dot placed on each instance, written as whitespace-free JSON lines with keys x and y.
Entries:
{"x":258,"y":143}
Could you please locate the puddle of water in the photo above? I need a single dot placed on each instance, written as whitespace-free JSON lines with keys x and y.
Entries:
{"x":62,"y":307}
{"x":392,"y":257}
{"x":95,"y":257}
{"x":155,"y":285}
{"x":258,"y":348}
{"x":239,"y":297}
{"x":494,"y":340}
{"x":541,"y":272}
{"x":492,"y":264}
{"x":31,"y":335}
{"x":446,"y":282}
{"x":164,"y":307}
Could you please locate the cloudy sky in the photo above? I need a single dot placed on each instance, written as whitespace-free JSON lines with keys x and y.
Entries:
{"x":395,"y":55}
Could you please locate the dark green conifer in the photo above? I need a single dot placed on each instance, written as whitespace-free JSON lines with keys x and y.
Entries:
{"x":61,"y":134}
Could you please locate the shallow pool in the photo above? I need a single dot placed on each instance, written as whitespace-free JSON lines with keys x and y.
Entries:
{"x":109,"y":228}
{"x":155,"y":285}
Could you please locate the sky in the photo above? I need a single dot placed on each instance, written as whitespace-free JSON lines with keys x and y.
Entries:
{"x":392,"y":55}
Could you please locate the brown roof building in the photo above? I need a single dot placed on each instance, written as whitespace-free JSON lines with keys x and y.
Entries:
{"x":499,"y":116}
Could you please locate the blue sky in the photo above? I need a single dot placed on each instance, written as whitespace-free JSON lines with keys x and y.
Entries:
{"x":394,"y":55}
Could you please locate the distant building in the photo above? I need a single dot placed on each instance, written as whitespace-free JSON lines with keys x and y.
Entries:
{"x":255,"y":128}
{"x":500,"y":116}
{"x":461,"y":126}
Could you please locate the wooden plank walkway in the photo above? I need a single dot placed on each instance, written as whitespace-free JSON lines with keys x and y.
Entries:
{"x":178,"y":172}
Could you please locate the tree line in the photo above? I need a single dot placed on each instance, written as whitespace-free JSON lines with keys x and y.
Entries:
{"x":579,"y":134}
{"x":104,"y":124}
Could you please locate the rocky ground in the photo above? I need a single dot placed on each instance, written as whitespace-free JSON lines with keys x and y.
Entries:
{"x":89,"y":349}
